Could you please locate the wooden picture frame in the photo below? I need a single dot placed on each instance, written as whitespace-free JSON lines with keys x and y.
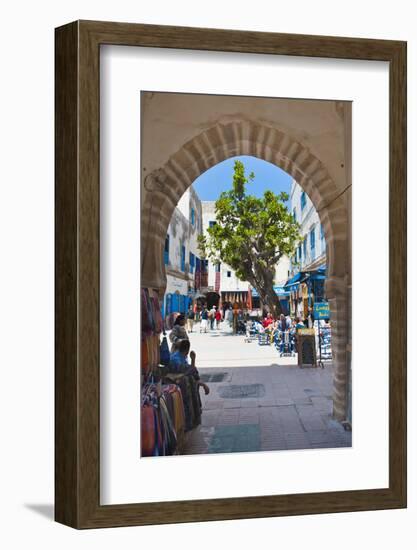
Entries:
{"x":77,"y":382}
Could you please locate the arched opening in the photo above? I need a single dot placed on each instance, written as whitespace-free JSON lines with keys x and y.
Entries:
{"x":213,"y":299}
{"x":163,"y":188}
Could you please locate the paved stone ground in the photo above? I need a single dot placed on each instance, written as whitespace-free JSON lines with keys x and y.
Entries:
{"x":264,"y":402}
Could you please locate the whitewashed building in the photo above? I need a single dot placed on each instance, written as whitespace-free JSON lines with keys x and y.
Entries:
{"x":181,"y":256}
{"x":308,"y":265}
{"x":188,"y":276}
{"x":311,"y":252}
{"x":223,"y":284}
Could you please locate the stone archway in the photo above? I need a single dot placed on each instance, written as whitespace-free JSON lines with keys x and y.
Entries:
{"x":163,"y":187}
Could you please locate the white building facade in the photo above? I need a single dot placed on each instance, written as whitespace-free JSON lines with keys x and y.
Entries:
{"x":181,"y":256}
{"x":190,"y":277}
{"x":222,"y":279}
{"x":308,"y":265}
{"x":222,"y":283}
{"x":311,"y":252}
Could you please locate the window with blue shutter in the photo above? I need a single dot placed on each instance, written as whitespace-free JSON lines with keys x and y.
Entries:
{"x":192,"y":217}
{"x":313,"y":243}
{"x":305,"y":248}
{"x":211,"y":223}
{"x":192,"y":262}
{"x":303,"y":200}
{"x":294,"y":214}
{"x":183,"y":258}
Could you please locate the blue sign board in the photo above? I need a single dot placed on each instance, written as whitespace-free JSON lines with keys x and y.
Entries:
{"x":321,"y":310}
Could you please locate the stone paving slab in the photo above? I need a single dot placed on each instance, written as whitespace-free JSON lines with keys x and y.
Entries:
{"x":283,"y":423}
{"x":297,"y":441}
{"x":235,"y":439}
{"x":294,"y":410}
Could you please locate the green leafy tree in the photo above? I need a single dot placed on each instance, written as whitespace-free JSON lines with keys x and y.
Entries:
{"x":251,"y":235}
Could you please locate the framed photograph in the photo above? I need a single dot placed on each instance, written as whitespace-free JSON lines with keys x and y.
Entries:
{"x":230,"y":274}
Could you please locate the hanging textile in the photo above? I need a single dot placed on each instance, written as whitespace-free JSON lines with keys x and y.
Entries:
{"x":192,"y":402}
{"x":144,"y":358}
{"x":150,"y":434}
{"x":162,"y":419}
{"x":147,"y":320}
{"x":169,"y":434}
{"x":155,"y":311}
{"x":152,"y":326}
{"x":170,"y":410}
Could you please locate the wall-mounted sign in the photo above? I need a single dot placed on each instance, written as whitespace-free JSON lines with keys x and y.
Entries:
{"x":321,"y":310}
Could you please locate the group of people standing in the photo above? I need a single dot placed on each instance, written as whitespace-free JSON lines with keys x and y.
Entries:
{"x":208,"y":318}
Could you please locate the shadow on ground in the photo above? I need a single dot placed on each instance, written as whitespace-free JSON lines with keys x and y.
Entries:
{"x":45,"y":510}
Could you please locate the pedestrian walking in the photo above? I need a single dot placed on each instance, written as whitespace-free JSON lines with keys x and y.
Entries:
{"x":228,"y":317}
{"x":197,"y":317}
{"x":212,"y":317}
{"x":190,"y":319}
{"x":235,"y":314}
{"x":218,"y":317}
{"x":204,"y":320}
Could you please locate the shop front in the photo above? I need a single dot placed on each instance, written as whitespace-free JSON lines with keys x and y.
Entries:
{"x":177,"y":297}
{"x":305,"y":289}
{"x":283,"y":296}
{"x":239,"y":299}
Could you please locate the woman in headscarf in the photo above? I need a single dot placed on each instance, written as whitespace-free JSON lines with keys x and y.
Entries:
{"x":178,"y":332}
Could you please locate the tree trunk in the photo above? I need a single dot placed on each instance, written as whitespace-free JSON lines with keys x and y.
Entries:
{"x":262,"y":280}
{"x":273,"y":301}
{"x":265,"y":288}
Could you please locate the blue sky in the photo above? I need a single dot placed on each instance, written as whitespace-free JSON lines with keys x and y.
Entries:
{"x":219,"y":178}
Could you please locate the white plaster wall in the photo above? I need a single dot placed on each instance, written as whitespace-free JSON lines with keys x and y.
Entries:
{"x":178,"y":235}
{"x":175,"y":284}
{"x":184,"y":203}
{"x":307,"y":218}
{"x":281,"y":271}
{"x":208,"y":211}
{"x":181,"y":231}
{"x":231,"y":283}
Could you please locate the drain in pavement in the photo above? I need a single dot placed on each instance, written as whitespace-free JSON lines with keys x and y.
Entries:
{"x":241,"y":391}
